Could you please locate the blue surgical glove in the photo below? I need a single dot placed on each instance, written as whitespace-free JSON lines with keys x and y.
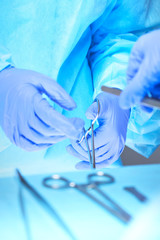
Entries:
{"x":109,"y":137}
{"x":143,"y":72}
{"x":27,"y":118}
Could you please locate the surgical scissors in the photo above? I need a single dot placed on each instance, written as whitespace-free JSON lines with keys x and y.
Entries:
{"x":102,"y":178}
{"x":91,"y":154}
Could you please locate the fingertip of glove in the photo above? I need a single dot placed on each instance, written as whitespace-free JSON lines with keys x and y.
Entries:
{"x":69,"y":148}
{"x":78,"y":124}
{"x":71,"y":105}
{"x":89,"y":115}
{"x":124,"y":102}
{"x":92,"y":111}
{"x":83,"y":165}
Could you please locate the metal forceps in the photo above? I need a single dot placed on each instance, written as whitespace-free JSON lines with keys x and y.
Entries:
{"x":91,"y":154}
{"x":102,"y":178}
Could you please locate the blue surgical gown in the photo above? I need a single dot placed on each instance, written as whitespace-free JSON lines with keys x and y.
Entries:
{"x":82,"y":44}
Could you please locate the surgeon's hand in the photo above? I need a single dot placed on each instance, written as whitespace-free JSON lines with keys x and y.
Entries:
{"x":143,"y":72}
{"x":110,"y":136}
{"x":27,"y":118}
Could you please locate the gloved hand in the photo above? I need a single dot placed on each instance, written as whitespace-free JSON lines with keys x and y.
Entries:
{"x":27,"y":118}
{"x":109,"y":137}
{"x":143,"y":72}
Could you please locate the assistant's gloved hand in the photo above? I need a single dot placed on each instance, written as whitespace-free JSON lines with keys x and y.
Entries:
{"x":27,"y":118}
{"x":110,"y":136}
{"x":143,"y":72}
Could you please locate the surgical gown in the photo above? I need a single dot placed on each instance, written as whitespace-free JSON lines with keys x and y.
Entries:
{"x":82,"y":44}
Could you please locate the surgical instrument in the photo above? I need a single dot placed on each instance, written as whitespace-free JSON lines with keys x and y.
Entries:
{"x":91,"y":154}
{"x":136,"y":193}
{"x":24,"y":213}
{"x":45,"y":204}
{"x":102,"y":178}
{"x":147,"y":101}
